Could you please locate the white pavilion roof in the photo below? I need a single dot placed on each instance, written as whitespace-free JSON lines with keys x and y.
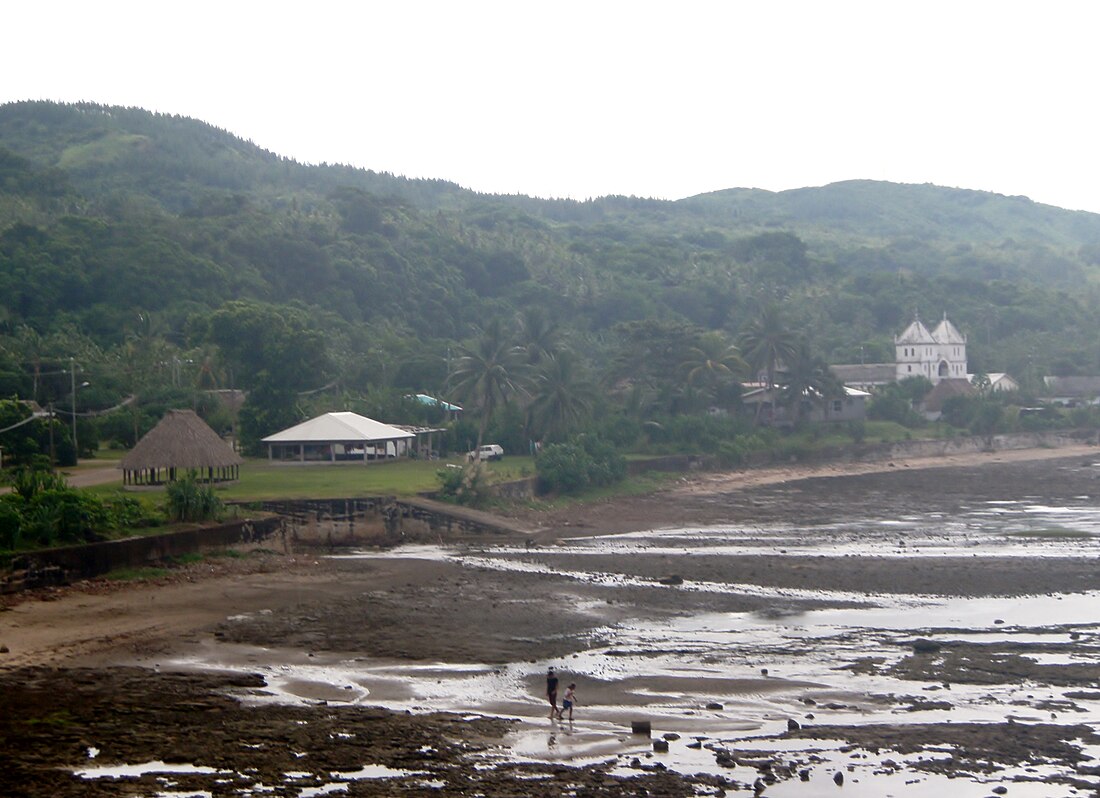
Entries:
{"x":343,"y":427}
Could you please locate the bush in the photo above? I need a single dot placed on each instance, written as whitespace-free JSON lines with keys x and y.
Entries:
{"x":573,"y":467}
{"x":189,"y":500}
{"x":468,"y":485}
{"x":11,"y":520}
{"x":563,"y":468}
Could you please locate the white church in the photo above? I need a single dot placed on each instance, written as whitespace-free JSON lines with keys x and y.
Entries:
{"x":938,"y":355}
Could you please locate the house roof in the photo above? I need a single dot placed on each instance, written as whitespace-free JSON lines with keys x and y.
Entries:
{"x":944,"y":390}
{"x":865,"y":373}
{"x":1073,"y":386}
{"x":764,"y":394}
{"x":180,"y":440}
{"x":342,"y":427}
{"x":424,"y":399}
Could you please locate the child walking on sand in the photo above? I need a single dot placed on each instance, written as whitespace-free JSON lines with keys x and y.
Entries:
{"x":568,"y":700}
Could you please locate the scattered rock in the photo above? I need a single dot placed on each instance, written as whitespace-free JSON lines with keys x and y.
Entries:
{"x":671,"y":579}
{"x":793,"y":725}
{"x":924,"y":646}
{"x":660,"y":746}
{"x":3,"y":649}
{"x":714,"y":705}
{"x":838,"y":778}
{"x":997,"y":621}
{"x":671,"y":736}
{"x":641,"y":727}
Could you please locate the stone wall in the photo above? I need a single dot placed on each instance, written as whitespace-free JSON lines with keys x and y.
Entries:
{"x":68,"y":563}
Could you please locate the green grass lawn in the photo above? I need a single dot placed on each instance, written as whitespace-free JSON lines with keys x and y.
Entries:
{"x":262,"y":480}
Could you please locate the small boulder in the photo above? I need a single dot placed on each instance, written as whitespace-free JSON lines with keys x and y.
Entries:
{"x":924,"y":646}
{"x":714,"y":705}
{"x":660,"y":746}
{"x":793,"y":725}
{"x":838,"y":778}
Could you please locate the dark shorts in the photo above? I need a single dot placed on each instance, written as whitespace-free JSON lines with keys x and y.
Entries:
{"x":566,"y":704}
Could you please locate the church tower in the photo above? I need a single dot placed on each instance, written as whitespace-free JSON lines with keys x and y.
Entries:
{"x":939,"y":354}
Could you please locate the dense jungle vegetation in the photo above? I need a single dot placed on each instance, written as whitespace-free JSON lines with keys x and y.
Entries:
{"x":147,"y":259}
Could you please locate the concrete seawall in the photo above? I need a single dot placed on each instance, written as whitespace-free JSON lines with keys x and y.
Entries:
{"x":66,"y":564}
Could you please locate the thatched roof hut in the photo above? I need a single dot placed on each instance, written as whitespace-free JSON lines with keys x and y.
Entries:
{"x":181,"y":442}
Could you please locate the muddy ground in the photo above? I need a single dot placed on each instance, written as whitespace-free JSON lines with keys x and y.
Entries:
{"x":67,"y":681}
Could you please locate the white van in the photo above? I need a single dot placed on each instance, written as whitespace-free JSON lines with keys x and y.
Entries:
{"x":490,"y":451}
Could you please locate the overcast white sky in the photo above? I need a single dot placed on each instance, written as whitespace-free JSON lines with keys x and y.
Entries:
{"x":583,"y":99}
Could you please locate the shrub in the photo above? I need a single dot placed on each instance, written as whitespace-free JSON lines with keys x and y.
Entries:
{"x":189,"y":500}
{"x":586,"y":462}
{"x":563,"y":468}
{"x":11,"y":520}
{"x":468,"y":485}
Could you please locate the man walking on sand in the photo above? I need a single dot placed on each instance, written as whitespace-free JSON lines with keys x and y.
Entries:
{"x":552,"y":691}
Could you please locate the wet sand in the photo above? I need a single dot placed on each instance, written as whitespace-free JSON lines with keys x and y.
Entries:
{"x":415,"y":609}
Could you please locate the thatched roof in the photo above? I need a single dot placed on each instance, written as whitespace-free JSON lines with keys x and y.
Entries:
{"x":180,"y":440}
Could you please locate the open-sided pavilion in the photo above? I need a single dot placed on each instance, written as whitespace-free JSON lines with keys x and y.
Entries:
{"x":333,"y":437}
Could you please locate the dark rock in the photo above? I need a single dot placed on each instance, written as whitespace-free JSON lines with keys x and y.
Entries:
{"x":714,"y":705}
{"x":809,"y":702}
{"x":998,"y":621}
{"x":695,"y":745}
{"x":999,"y":790}
{"x":838,"y":777}
{"x":793,"y":725}
{"x":671,"y":736}
{"x":671,"y":579}
{"x":640,"y":727}
{"x":923,"y":646}
{"x":660,"y":746}
{"x":804,"y":774}
{"x":3,"y":649}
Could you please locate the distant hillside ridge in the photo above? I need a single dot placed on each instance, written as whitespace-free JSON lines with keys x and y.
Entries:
{"x":109,"y":215}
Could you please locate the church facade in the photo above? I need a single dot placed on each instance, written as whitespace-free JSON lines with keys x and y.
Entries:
{"x":939,"y":354}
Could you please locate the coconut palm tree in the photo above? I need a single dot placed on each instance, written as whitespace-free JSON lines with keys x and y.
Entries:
{"x":563,"y":395}
{"x":488,"y":373}
{"x":766,"y":343}
{"x":539,"y":335}
{"x":806,"y":377}
{"x":712,"y":364}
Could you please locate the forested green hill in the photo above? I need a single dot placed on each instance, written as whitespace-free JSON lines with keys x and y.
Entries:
{"x":117,"y":225}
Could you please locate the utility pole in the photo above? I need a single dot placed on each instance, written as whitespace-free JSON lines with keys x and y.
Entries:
{"x":53,"y":452}
{"x":72,"y":385}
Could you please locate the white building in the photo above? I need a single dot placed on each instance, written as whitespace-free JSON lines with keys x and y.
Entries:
{"x":937,"y":355}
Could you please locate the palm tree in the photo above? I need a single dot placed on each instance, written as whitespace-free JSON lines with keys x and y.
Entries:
{"x":767,"y":343}
{"x":488,"y":374}
{"x":806,"y":377}
{"x":564,"y":396}
{"x":713,"y":363}
{"x":539,"y":335}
